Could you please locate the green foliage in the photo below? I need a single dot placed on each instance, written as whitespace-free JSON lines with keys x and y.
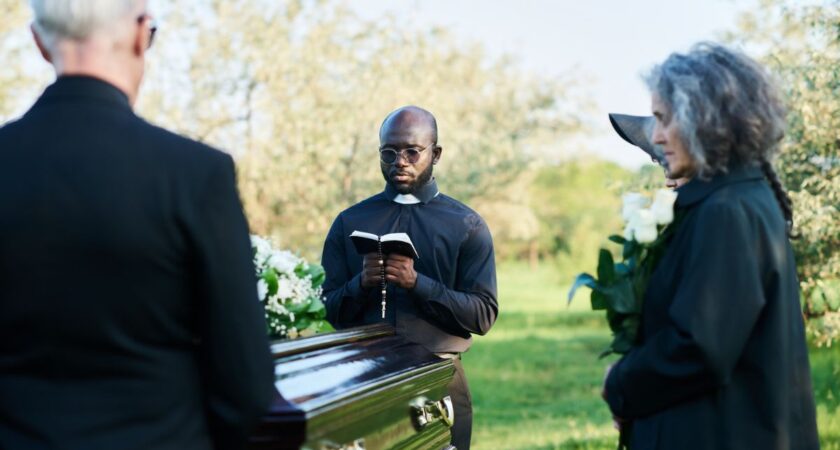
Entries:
{"x":297,"y":90}
{"x":19,"y":84}
{"x":800,"y":43}
{"x":576,"y":204}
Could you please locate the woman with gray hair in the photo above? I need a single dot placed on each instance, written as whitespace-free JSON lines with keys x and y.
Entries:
{"x":721,"y":361}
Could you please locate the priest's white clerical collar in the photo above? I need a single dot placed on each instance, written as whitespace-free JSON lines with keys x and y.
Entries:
{"x":407,"y":199}
{"x":423,"y":195}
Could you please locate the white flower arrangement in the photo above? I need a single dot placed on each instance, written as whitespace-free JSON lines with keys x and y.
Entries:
{"x":290,"y":289}
{"x":642,"y":223}
{"x":619,"y":286}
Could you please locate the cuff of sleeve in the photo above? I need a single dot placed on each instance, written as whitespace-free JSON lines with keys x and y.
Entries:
{"x":423,"y":288}
{"x":613,"y":387}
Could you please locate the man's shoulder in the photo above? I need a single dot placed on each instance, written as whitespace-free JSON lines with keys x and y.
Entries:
{"x":132,"y":132}
{"x":172,"y":145}
{"x":363,"y":207}
{"x":457,"y":207}
{"x":10,"y":127}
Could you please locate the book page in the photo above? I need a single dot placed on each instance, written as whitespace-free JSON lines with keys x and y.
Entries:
{"x":401,"y":237}
{"x":362,"y":234}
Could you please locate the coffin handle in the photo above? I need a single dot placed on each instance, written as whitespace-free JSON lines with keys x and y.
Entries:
{"x":425,"y":412}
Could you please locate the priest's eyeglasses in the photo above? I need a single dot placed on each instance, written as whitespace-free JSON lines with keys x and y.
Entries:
{"x":389,"y":155}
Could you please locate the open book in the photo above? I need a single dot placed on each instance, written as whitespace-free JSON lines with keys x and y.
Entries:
{"x":391,"y":243}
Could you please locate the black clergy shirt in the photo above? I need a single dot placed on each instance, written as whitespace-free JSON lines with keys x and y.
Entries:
{"x":455,"y":294}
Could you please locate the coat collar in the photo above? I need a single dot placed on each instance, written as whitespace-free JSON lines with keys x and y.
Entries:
{"x":423,"y":195}
{"x":697,"y":189}
{"x":81,"y":87}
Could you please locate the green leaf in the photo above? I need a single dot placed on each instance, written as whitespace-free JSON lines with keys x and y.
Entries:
{"x":606,"y":353}
{"x":316,"y":306}
{"x":622,"y":270}
{"x":581,"y":280}
{"x":618,"y":239}
{"x":631,"y":327}
{"x":270,"y":277}
{"x":630,"y":248}
{"x":622,"y":343}
{"x":303,"y":323}
{"x":297,"y":308}
{"x":606,"y":268}
{"x":318,"y":275}
{"x":598,"y":300}
{"x":614,"y":320}
{"x":831,"y":293}
{"x":621,"y":297}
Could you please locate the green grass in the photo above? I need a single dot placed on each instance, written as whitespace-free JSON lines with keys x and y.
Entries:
{"x":536,"y":380}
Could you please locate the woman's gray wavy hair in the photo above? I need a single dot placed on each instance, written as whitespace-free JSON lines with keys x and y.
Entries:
{"x":727,"y":108}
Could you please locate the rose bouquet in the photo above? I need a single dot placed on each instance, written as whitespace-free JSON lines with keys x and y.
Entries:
{"x":620,"y":286}
{"x":290,"y":289}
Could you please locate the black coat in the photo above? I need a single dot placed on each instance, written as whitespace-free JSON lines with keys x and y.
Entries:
{"x":128,"y":308}
{"x":722,"y":362}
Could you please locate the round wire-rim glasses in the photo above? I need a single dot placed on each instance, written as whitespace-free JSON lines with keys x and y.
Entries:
{"x":389,"y":155}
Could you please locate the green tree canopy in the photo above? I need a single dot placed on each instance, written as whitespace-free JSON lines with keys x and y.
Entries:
{"x":801,"y":44}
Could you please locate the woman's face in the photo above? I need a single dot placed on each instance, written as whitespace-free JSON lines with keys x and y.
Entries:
{"x":667,"y":134}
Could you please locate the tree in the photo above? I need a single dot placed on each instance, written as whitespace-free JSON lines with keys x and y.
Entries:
{"x":296,"y":91}
{"x":801,"y":44}
{"x":20,"y":74}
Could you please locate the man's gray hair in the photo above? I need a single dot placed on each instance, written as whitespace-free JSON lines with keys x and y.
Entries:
{"x":77,"y":19}
{"x":726,"y":106}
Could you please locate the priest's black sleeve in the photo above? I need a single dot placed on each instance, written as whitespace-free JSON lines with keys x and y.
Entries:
{"x":471,"y":305}
{"x":345,"y":297}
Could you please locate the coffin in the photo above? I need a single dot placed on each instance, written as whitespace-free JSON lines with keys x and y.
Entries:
{"x":360,"y":388}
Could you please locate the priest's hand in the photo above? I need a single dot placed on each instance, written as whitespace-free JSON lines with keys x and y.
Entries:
{"x":399,"y":270}
{"x":371,"y":271}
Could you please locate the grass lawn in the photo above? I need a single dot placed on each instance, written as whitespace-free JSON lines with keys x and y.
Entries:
{"x":536,"y":380}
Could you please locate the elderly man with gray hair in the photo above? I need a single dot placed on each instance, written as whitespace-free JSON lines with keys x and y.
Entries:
{"x":128,"y":309}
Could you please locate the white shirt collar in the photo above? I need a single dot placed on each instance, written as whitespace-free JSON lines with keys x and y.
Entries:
{"x":409,"y":199}
{"x":406,"y":199}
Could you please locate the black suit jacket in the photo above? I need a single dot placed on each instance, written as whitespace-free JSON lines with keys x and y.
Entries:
{"x":128,"y":309}
{"x":722,"y":362}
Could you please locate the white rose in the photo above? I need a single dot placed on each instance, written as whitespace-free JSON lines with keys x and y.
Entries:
{"x":262,"y":247}
{"x":285,"y":290}
{"x":644,"y":226}
{"x":663,"y":206}
{"x":632,"y":202}
{"x":262,"y":289}
{"x":283,"y":261}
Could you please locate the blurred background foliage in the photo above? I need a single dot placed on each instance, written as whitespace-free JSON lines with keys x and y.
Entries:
{"x":296,"y":91}
{"x":801,"y":45}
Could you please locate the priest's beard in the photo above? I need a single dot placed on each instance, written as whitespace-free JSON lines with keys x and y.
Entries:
{"x":421,"y":180}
